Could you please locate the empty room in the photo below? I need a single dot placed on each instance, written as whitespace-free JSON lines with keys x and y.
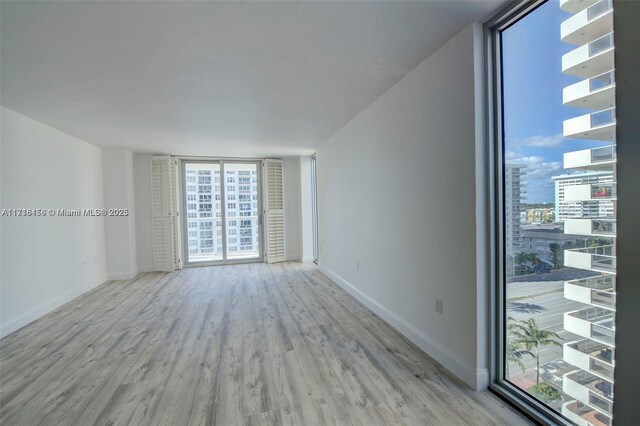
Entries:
{"x":319,"y":212}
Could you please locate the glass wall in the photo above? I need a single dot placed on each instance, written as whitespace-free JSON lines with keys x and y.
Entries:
{"x":558,"y":208}
{"x":242,"y":213}
{"x":222,"y":211}
{"x":203,"y":212}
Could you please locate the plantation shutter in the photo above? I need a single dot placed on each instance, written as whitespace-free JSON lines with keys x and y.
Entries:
{"x":166,"y":255}
{"x":274,"y":211}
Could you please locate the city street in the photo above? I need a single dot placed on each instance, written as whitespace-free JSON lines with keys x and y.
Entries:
{"x":549,"y":295}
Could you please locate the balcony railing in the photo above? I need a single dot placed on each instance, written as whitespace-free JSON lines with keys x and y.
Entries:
{"x":598,"y":291}
{"x":605,"y":153}
{"x":593,"y":349}
{"x":588,"y":192}
{"x":584,"y":415}
{"x":601,"y":44}
{"x":599,"y":125}
{"x":587,"y":226}
{"x":596,"y":258}
{"x":598,"y":391}
{"x":599,"y":9}
{"x":595,"y":92}
{"x":595,"y":316}
{"x":601,"y":158}
{"x":603,"y":227}
{"x":603,"y":191}
{"x":588,"y":24}
{"x":575,"y":6}
{"x":603,"y":118}
{"x":594,"y":323}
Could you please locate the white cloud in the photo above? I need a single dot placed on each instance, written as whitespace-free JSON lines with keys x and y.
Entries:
{"x":542,"y":141}
{"x":536,"y":167}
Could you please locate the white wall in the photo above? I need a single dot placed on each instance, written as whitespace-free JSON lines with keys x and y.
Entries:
{"x":47,"y":261}
{"x":397,"y":207}
{"x":117,"y":165}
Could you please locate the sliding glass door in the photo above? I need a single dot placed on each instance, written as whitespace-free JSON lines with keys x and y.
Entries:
{"x":221,"y":205}
{"x":242,"y":213}
{"x":555,"y":126}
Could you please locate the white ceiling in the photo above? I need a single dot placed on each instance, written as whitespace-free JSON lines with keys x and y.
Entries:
{"x":214,"y":78}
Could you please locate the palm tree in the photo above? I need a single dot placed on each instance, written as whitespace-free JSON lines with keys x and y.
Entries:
{"x":525,"y":308}
{"x":528,"y":334}
{"x":515,"y":352}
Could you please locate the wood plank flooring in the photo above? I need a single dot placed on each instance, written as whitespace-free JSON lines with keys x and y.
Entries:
{"x":243,"y":344}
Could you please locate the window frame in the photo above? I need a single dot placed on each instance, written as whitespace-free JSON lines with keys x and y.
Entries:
{"x":519,"y":398}
{"x":221,"y":189}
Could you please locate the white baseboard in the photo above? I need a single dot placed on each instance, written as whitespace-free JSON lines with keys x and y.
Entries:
{"x":33,"y":314}
{"x":123,"y":275}
{"x":307,"y":259}
{"x":477,"y":380}
{"x":482,"y":379}
{"x":290,"y":257}
{"x":145,"y":268}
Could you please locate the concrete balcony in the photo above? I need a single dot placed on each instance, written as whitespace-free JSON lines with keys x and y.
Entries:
{"x":600,"y":126}
{"x":584,"y":353}
{"x":599,"y":259}
{"x":584,"y":415}
{"x":589,"y":389}
{"x":595,"y":93}
{"x":605,"y":227}
{"x":591,"y":356}
{"x":575,"y":6}
{"x":590,"y":192}
{"x":590,"y":59}
{"x":589,"y":24}
{"x":593,"y":323}
{"x":598,"y":291}
{"x":603,"y":158}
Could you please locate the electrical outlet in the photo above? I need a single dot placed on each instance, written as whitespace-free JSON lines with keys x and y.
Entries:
{"x":439,"y":306}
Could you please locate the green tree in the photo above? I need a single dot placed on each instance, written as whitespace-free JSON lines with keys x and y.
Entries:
{"x":529,"y":335}
{"x":599,"y":241}
{"x":556,"y":255}
{"x":515,"y":352}
{"x":529,"y":260}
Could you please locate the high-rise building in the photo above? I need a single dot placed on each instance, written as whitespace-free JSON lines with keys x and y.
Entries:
{"x":592,"y":196}
{"x":514,"y":184}
{"x":569,"y":201}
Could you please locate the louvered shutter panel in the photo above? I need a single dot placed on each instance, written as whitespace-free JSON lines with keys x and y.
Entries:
{"x":274,"y":211}
{"x":163,"y":199}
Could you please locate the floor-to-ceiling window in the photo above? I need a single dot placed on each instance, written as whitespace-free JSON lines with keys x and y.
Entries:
{"x":553,"y":64}
{"x":222,"y":211}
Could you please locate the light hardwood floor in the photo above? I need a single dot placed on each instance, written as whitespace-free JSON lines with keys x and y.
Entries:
{"x":244,"y":344}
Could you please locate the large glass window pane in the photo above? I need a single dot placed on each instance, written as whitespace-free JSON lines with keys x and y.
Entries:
{"x":204,"y":214}
{"x":243,"y":216}
{"x":559,"y":207}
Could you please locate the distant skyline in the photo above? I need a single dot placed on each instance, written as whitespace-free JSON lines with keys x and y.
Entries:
{"x":533,"y":110}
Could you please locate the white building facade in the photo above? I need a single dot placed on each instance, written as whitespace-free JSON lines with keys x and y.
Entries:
{"x":570,"y":198}
{"x":587,"y":203}
{"x":515,"y":188}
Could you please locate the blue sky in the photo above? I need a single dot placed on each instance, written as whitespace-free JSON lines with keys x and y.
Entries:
{"x":533,"y":110}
